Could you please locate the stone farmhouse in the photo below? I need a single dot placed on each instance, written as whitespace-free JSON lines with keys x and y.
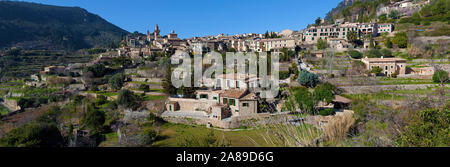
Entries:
{"x":389,"y":66}
{"x":231,"y":98}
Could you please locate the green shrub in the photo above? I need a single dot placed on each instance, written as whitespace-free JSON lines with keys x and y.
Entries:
{"x":149,"y":136}
{"x":355,"y":54}
{"x":440,"y":76}
{"x":373,"y":53}
{"x":116,"y":81}
{"x":428,"y":128}
{"x":284,"y":75}
{"x":324,"y":92}
{"x":144,"y":87}
{"x":93,"y":119}
{"x":128,"y":99}
{"x":326,"y":112}
{"x":35,"y":134}
{"x":400,"y":40}
{"x":321,"y":44}
{"x":386,"y":52}
{"x":388,"y":43}
{"x":98,"y":70}
{"x":77,"y":99}
{"x":376,"y":70}
{"x":308,"y":79}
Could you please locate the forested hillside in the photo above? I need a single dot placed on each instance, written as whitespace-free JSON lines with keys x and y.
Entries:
{"x":38,"y":26}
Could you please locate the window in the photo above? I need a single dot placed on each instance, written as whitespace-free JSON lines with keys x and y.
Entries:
{"x":170,"y":107}
{"x":244,"y":104}
{"x":237,"y":110}
{"x":225,"y":101}
{"x":203,"y":96}
{"x":215,"y":98}
{"x":231,"y":102}
{"x":228,"y":83}
{"x":237,"y":84}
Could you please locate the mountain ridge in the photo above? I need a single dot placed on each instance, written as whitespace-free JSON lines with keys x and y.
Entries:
{"x":39,"y":26}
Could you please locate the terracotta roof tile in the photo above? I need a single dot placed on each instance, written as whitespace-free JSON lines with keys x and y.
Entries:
{"x":233,"y":93}
{"x":250,"y":96}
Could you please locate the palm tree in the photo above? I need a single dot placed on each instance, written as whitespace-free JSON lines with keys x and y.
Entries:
{"x":352,"y":36}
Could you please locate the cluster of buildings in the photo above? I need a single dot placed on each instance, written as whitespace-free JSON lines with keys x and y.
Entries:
{"x":232,"y":96}
{"x":150,"y":44}
{"x":334,"y":34}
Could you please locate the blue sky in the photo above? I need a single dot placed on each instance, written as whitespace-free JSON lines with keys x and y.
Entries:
{"x":191,"y":18}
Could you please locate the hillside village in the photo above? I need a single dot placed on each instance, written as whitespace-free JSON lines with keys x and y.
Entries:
{"x":330,"y":71}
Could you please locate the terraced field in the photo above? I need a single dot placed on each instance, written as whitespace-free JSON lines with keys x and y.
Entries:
{"x":30,"y":62}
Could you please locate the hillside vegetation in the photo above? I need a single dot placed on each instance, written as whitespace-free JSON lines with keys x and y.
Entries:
{"x":38,"y":26}
{"x":22,"y":63}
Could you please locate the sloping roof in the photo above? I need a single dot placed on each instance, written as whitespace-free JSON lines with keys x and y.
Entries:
{"x":233,"y":93}
{"x":250,"y":96}
{"x":340,"y":99}
{"x":173,"y":102}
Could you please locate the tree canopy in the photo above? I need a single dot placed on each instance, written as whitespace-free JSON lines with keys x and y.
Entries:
{"x":308,"y":79}
{"x":117,"y":81}
{"x":321,"y":44}
{"x":427,"y":128}
{"x":128,"y":99}
{"x":93,"y":118}
{"x":440,"y":76}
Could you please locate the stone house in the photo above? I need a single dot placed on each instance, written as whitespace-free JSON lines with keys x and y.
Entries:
{"x":385,"y":28}
{"x":312,"y":34}
{"x":389,"y":66}
{"x":421,"y":70}
{"x":54,"y":69}
{"x":217,"y":104}
{"x":240,"y":102}
{"x":11,"y":104}
{"x":277,"y":43}
{"x":236,"y":81}
{"x":369,"y":28}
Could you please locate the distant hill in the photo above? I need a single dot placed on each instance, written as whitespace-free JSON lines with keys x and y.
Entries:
{"x":38,"y":26}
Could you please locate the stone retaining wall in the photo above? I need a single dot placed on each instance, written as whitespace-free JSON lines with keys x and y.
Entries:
{"x":230,"y":123}
{"x":377,"y":88}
